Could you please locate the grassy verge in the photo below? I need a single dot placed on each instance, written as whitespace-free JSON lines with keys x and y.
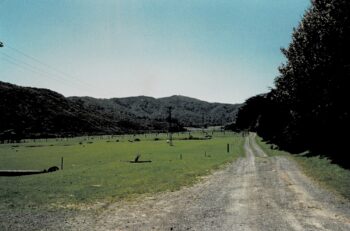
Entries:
{"x":96,"y":168}
{"x":320,"y":169}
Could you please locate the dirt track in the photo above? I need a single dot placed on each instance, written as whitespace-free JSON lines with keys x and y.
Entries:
{"x":254,"y":193}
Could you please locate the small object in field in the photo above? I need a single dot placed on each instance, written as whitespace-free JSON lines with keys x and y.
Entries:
{"x":20,"y":172}
{"x":137,"y":140}
{"x":53,"y":169}
{"x":130,"y":141}
{"x":168,"y":141}
{"x":136,"y":160}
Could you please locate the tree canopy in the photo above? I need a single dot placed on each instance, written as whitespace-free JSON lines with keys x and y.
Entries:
{"x":306,"y":110}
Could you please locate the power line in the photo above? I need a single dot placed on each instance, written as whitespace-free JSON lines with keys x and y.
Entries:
{"x":54,"y":71}
{"x":24,"y":63}
{"x":67,"y":76}
{"x":24,"y":67}
{"x":32,"y":68}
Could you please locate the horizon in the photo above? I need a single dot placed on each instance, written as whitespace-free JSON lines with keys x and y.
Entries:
{"x":131,"y":96}
{"x":224,"y":52}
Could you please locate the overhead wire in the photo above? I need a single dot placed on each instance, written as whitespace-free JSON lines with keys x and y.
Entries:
{"x":56,"y":70}
{"x":31,"y":67}
{"x":48,"y":70}
{"x":28,"y":67}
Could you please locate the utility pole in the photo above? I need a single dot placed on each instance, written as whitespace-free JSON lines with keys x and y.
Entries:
{"x":169,"y":126}
{"x":203,"y":124}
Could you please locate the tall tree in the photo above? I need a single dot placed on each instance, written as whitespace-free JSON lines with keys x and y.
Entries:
{"x":312,"y":89}
{"x":313,"y":82}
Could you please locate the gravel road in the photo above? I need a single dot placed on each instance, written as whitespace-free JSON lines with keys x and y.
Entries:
{"x":254,"y":193}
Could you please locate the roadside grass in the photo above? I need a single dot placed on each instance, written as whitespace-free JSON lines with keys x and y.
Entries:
{"x":321,"y":169}
{"x":97,"y":169}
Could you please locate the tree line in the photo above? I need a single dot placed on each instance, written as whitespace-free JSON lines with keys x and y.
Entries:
{"x":306,"y":109}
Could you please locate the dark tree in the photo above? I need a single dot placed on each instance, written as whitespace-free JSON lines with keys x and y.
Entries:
{"x":307,"y":108}
{"x":313,"y":82}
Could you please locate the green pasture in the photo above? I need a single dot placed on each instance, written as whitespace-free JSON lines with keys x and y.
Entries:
{"x":97,"y":168}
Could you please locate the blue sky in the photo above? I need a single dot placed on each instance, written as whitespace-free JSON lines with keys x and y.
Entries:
{"x":219,"y":51}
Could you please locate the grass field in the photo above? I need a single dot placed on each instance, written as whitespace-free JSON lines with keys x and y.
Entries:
{"x":320,"y":169}
{"x":96,"y":168}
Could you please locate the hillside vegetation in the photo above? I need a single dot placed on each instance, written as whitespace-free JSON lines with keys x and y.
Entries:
{"x":32,"y":112}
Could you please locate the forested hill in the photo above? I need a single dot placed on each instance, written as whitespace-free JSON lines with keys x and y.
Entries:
{"x":34,"y":112}
{"x":187,"y":111}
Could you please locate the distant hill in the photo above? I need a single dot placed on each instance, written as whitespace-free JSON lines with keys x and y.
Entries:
{"x":34,"y":112}
{"x":187,"y":111}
